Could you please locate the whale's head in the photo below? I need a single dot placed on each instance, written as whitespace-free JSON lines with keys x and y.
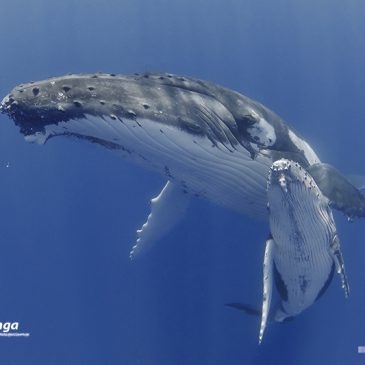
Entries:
{"x":32,"y":106}
{"x":90,"y":106}
{"x":43,"y":109}
{"x":294,"y":200}
{"x":290,"y":184}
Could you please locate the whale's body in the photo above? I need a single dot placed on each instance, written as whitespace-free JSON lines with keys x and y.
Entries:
{"x":180,"y":127}
{"x":303,"y":250}
{"x":303,"y":229}
{"x":207,"y":140}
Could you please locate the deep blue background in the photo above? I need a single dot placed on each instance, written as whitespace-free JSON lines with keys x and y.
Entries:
{"x":69,"y":210}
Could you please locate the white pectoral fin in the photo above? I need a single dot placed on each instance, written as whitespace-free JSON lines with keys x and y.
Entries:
{"x":166,"y":210}
{"x":340,"y":265}
{"x":267,"y":285}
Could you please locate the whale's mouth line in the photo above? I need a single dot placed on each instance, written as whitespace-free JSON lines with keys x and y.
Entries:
{"x":42,"y":138}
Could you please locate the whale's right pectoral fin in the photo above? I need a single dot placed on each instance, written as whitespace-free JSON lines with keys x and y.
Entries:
{"x":166,"y":210}
{"x":267,"y":285}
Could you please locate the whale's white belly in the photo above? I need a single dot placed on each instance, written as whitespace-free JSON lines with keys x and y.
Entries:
{"x":225,"y":176}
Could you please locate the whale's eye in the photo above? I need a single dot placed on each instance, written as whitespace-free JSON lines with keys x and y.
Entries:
{"x":249,"y":120}
{"x":35,"y":91}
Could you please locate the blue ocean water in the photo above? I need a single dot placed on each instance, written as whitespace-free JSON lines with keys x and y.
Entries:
{"x":69,"y":210}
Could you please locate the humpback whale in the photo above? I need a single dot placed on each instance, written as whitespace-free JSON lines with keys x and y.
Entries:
{"x":303,"y":249}
{"x":207,"y":140}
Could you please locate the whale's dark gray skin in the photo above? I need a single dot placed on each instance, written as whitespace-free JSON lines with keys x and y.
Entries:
{"x":218,"y":113}
{"x":207,"y":140}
